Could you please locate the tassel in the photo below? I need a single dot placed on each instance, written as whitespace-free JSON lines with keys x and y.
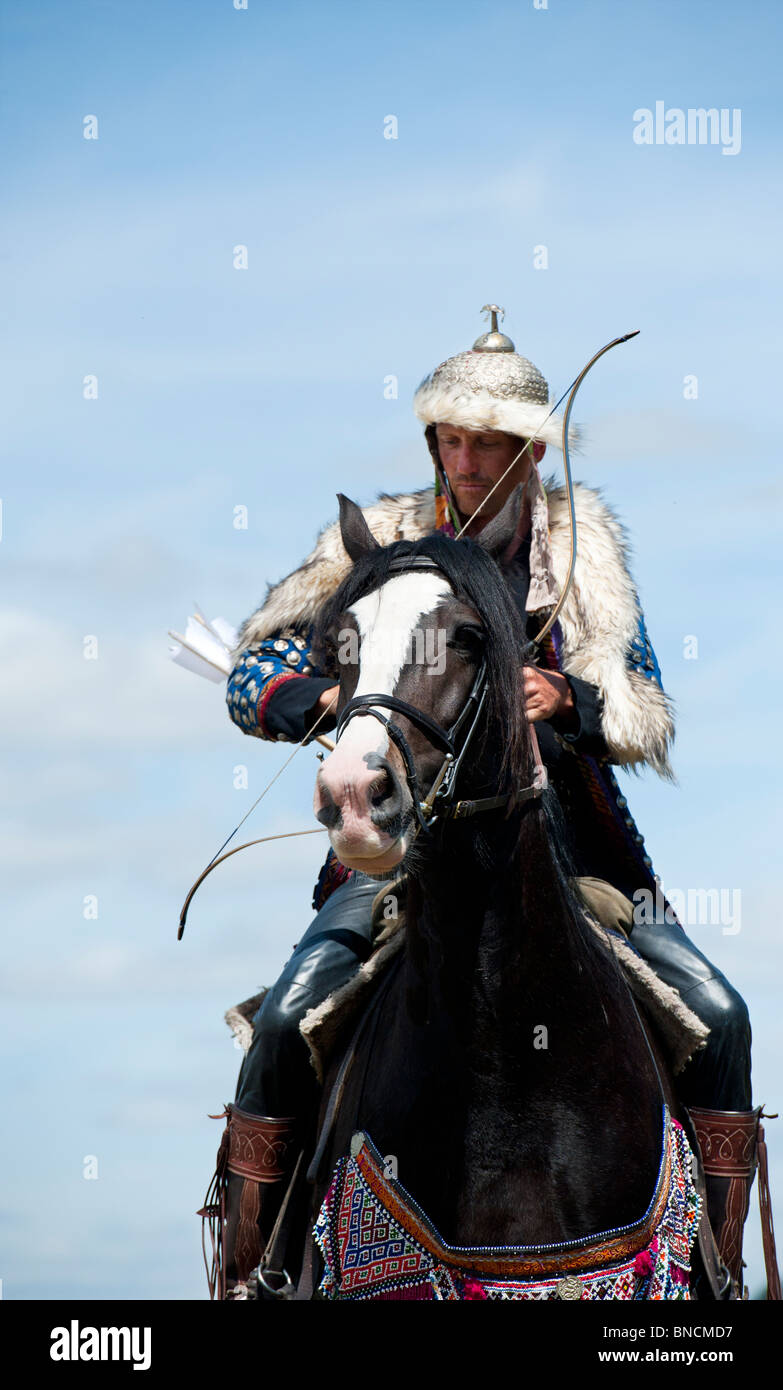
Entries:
{"x":472,"y":1290}
{"x":213,"y":1219}
{"x":643,"y":1265}
{"x":767,"y":1228}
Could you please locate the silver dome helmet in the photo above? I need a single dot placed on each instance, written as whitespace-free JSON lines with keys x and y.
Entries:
{"x":490,"y":387}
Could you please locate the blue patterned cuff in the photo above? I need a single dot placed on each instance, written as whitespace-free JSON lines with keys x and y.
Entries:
{"x":285,"y":653}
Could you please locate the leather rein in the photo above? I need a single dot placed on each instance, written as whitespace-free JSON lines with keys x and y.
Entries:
{"x":439,"y":804}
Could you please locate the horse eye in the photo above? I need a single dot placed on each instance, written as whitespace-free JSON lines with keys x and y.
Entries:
{"x":468,"y":638}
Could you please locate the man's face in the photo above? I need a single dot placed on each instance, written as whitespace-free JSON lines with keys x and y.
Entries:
{"x":473,"y":461}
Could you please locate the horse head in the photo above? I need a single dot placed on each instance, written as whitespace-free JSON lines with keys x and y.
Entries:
{"x":429,"y":628}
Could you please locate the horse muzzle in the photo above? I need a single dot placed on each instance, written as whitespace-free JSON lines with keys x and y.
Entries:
{"x":367,"y":808}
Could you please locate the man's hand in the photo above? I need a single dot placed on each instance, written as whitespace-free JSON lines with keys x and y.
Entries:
{"x":547,"y":696}
{"x":325,"y":700}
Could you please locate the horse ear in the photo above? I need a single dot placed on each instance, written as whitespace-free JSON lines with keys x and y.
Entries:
{"x":358,"y":539}
{"x":498,"y":533}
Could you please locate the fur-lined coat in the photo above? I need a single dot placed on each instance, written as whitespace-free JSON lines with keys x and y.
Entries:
{"x":603,"y":637}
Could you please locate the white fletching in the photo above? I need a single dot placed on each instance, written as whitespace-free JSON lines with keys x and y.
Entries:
{"x":205,"y":648}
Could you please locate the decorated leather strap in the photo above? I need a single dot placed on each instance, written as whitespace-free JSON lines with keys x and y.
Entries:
{"x":767,"y":1229}
{"x":259,"y":1147}
{"x":247,"y":1242}
{"x":259,"y":1150}
{"x":728,"y":1143}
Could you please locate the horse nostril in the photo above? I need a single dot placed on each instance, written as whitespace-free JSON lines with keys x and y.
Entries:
{"x":329,"y":814}
{"x":381,"y":789}
{"x":385,"y":797}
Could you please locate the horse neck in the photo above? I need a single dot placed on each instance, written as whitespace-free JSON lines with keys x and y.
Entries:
{"x":491,"y":960}
{"x":500,"y":965}
{"x":488,"y":915}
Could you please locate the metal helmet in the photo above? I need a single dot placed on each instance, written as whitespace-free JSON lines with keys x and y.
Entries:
{"x":490,"y":387}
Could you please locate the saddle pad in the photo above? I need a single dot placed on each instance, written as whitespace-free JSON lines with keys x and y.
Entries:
{"x":378,"y":1245}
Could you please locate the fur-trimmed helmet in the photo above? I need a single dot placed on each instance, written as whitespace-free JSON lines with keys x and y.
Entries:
{"x":489,"y":387}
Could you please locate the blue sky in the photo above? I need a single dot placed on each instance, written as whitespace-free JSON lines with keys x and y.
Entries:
{"x":264,"y":388}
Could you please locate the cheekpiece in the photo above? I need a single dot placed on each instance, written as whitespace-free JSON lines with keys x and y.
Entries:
{"x":490,"y":387}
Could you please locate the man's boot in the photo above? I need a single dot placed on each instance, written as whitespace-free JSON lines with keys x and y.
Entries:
{"x":728,"y":1140}
{"x":255,"y":1161}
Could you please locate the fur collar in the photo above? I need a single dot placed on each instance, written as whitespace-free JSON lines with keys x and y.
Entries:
{"x":599,"y":618}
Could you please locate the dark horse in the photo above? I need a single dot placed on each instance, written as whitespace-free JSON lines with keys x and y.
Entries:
{"x":502,"y":1061}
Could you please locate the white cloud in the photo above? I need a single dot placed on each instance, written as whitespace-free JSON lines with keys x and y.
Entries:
{"x":131,"y":694}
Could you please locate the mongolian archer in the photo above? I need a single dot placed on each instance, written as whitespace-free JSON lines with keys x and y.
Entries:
{"x":594,"y":697}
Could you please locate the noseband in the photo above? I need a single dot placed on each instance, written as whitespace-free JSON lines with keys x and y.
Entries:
{"x":454,"y":742}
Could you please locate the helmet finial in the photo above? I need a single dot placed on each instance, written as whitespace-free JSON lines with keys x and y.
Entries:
{"x":494,"y":340}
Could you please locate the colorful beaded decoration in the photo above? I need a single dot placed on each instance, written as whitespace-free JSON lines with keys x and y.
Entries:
{"x":378,"y":1245}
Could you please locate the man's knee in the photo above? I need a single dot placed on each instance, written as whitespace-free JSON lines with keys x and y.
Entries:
{"x":677,"y":961}
{"x":275,"y":1072}
{"x":309,"y":978}
{"x":719,"y":1077}
{"x":722,"y":1008}
{"x":276,"y":1024}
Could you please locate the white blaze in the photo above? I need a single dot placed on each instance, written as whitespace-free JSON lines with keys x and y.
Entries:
{"x":386,"y":620}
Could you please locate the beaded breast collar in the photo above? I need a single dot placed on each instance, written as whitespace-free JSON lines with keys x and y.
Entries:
{"x":378,"y":1244}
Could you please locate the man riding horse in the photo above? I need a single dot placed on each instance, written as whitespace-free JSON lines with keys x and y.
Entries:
{"x":595,"y":696}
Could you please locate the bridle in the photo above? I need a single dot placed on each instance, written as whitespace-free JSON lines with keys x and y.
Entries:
{"x":439,"y":804}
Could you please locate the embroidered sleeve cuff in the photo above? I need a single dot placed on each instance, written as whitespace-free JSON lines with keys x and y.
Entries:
{"x":260,"y":671}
